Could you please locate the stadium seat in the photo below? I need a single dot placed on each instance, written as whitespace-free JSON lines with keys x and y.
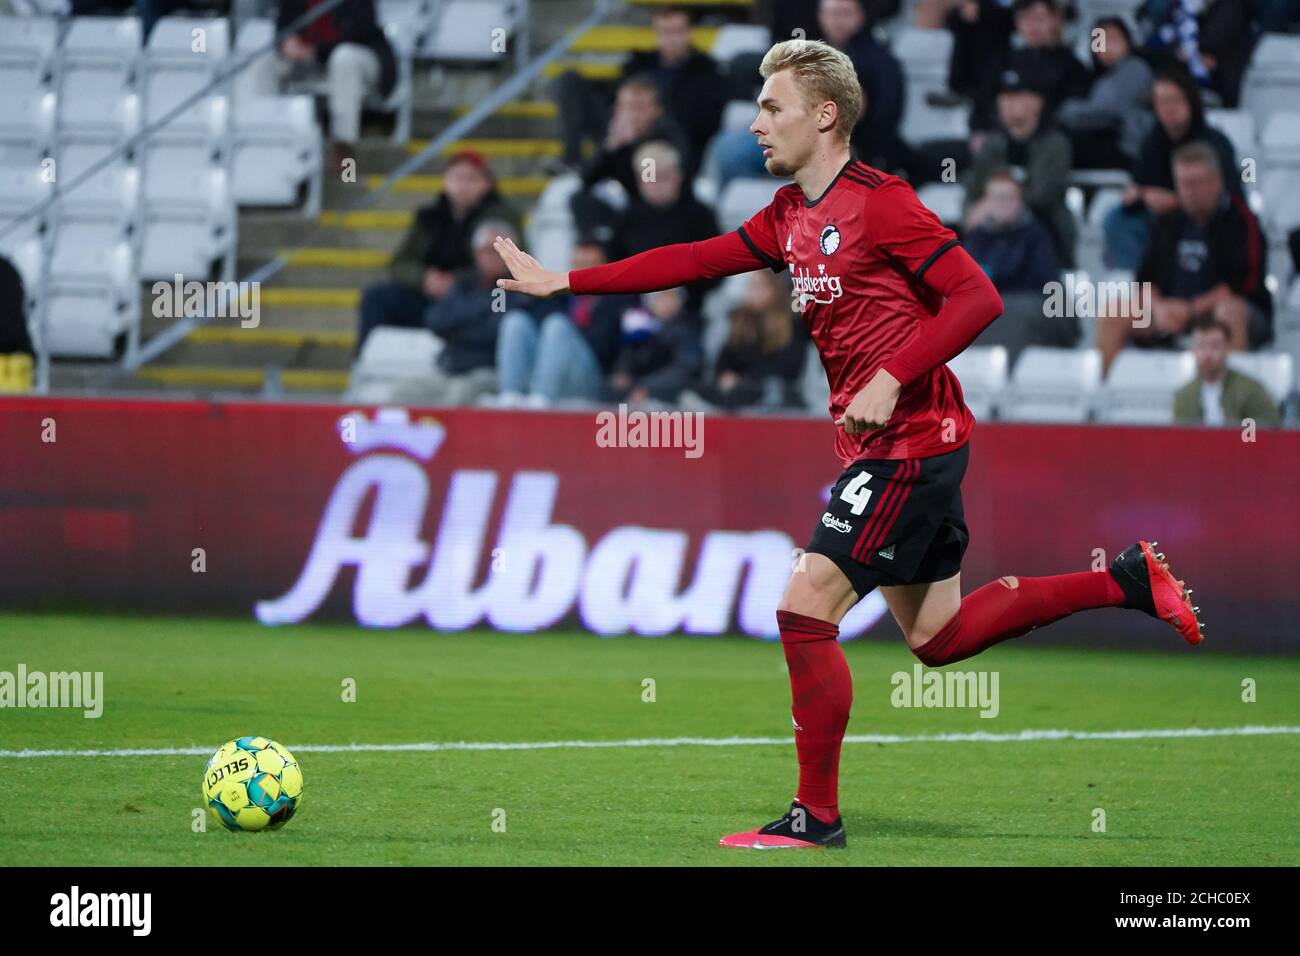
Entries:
{"x":945,"y":200}
{"x":27,"y":54}
{"x":390,"y":361}
{"x":924,"y":56}
{"x":743,"y":197}
{"x":736,"y":38}
{"x":1240,"y":128}
{"x":1140,"y":387}
{"x":92,"y":292}
{"x":1272,"y":80}
{"x":111,"y":195}
{"x":1274,"y":370}
{"x":276,"y":152}
{"x":100,"y":56}
{"x":1052,"y":385}
{"x":26,"y":127}
{"x":739,"y":114}
{"x":21,"y":190}
{"x":413,"y":18}
{"x":261,"y":76}
{"x":457,"y":24}
{"x":188,"y":220}
{"x":982,"y":372}
{"x":398,"y":102}
{"x":174,"y":72}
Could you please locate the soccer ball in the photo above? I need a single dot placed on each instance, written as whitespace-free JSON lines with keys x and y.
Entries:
{"x":252,"y":783}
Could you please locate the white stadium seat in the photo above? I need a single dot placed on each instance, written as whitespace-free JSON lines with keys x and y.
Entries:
{"x":111,"y":195}
{"x":92,"y":293}
{"x":743,"y":197}
{"x":945,"y":200}
{"x":1240,"y":128}
{"x":1052,"y":385}
{"x":392,"y":360}
{"x":26,"y":126}
{"x":982,"y":372}
{"x":277,"y":151}
{"x":97,"y":80}
{"x":1140,"y":387}
{"x":739,"y":114}
{"x":736,"y":38}
{"x":1273,"y":370}
{"x":188,"y":218}
{"x":1272,"y":81}
{"x":22,"y":189}
{"x":27,"y":53}
{"x":260,"y":77}
{"x":465,"y":29}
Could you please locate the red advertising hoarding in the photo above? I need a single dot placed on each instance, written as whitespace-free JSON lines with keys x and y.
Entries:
{"x":457,"y":518}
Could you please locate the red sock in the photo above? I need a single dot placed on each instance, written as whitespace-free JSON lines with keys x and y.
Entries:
{"x":997,"y":612}
{"x":821,"y":689}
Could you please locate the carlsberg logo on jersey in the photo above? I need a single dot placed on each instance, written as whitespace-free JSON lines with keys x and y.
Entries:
{"x":627,"y":579}
{"x":819,"y":288}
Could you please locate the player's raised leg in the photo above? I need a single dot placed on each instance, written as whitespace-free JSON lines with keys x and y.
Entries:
{"x":942,"y":628}
{"x":821,"y":689}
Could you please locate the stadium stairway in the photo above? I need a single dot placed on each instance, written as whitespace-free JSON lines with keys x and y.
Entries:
{"x":305,"y":339}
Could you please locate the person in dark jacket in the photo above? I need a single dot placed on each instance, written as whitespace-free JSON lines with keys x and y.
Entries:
{"x":660,"y":352}
{"x":1017,"y":252}
{"x":763,"y":358}
{"x":1007,"y":241}
{"x":435,"y":247}
{"x":663,"y":211}
{"x":1037,"y":153}
{"x":563,"y":348}
{"x":1207,"y":257}
{"x":1107,"y":127}
{"x":689,"y":86}
{"x":1180,"y":119}
{"x":1059,"y":72}
{"x":467,"y":320}
{"x":350,"y":47}
{"x":846,"y":26}
{"x":14,"y":336}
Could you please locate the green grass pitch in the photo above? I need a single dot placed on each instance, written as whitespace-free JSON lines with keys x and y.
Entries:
{"x":171,"y":683}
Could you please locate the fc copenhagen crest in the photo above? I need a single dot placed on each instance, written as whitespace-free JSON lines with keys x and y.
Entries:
{"x":829,"y":240}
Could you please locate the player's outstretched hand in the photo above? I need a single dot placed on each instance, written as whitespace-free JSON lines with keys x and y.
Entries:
{"x":529,"y":276}
{"x":871,"y":407}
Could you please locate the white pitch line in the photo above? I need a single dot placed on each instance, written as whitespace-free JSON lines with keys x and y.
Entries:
{"x":979,"y":737}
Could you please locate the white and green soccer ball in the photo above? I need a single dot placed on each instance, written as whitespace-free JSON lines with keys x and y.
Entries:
{"x":252,"y":784}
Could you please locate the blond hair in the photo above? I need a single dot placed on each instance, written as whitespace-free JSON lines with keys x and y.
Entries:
{"x":823,"y":73}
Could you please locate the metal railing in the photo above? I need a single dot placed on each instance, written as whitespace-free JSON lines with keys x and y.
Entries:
{"x":138,"y":354}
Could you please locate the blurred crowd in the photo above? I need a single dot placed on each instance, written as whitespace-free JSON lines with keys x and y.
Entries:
{"x":1037,"y":115}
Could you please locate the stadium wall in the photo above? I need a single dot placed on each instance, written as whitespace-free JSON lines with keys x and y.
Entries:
{"x":518,"y":521}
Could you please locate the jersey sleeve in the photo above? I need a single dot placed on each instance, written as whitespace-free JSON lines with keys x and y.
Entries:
{"x":667,"y":267}
{"x":901,"y":227}
{"x":759,"y":233}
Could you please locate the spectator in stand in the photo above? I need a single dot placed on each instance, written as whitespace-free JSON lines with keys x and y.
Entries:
{"x":1212,"y":39}
{"x":1038,"y":156}
{"x":1018,"y":253}
{"x":1107,"y":127}
{"x":763,"y":358}
{"x":467,"y":321}
{"x":686,"y":81}
{"x":1205,"y":258}
{"x":663,"y":211}
{"x":1180,"y":119}
{"x":1219,"y":395}
{"x":847,"y":26}
{"x":434,"y":248}
{"x":349,"y":47}
{"x":638,"y":118}
{"x":1059,"y":73}
{"x":569,"y":352}
{"x":981,"y":32}
{"x":15,"y":341}
{"x":660,"y":351}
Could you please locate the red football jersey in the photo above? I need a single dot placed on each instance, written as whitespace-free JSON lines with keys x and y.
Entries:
{"x":857,"y":256}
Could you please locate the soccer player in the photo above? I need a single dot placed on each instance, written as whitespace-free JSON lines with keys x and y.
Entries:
{"x":888,"y":296}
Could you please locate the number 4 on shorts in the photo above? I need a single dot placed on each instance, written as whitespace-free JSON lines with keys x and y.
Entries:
{"x":856,"y":493}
